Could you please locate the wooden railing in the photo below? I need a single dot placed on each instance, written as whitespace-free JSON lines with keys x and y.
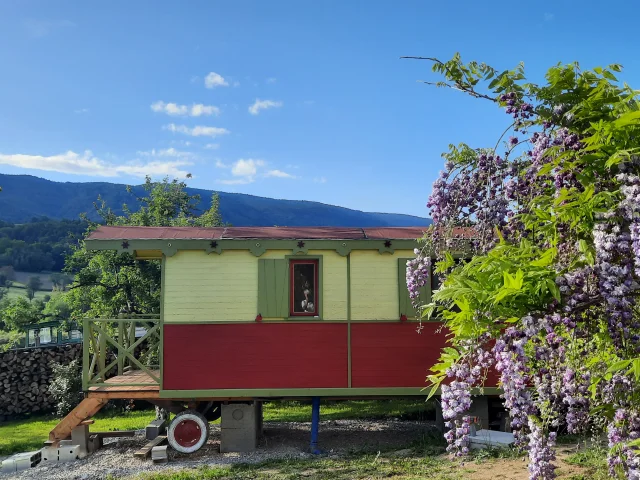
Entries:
{"x":110,"y":346}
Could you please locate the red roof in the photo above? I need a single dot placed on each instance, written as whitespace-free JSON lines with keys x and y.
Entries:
{"x":218,"y":233}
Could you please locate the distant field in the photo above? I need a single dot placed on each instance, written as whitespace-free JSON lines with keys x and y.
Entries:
{"x":21,"y":291}
{"x":23,"y":278}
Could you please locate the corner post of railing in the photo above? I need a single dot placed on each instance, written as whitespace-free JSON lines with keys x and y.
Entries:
{"x":86,"y":341}
{"x":102,"y":354}
{"x":121,"y":347}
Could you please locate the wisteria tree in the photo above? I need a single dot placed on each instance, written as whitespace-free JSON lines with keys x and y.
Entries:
{"x":547,"y":296}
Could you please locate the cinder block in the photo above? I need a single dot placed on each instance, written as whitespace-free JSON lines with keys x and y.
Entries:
{"x":237,"y":440}
{"x":159,"y":454}
{"x":94,"y":443}
{"x":238,"y":415}
{"x":21,"y":461}
{"x":80,"y":436}
{"x":155,"y":429}
{"x":239,"y":427}
{"x":64,"y":453}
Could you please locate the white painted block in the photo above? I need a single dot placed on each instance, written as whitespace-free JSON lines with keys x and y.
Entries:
{"x":64,"y":453}
{"x":21,"y":461}
{"x":491,"y":438}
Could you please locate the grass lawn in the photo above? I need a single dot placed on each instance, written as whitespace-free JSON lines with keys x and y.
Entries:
{"x":426,"y":461}
{"x":29,"y":434}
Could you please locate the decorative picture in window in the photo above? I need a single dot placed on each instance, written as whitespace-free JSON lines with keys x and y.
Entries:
{"x":303,"y":276}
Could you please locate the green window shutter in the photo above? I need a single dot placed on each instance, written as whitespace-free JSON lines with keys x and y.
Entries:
{"x":406,"y":308}
{"x":273,"y":288}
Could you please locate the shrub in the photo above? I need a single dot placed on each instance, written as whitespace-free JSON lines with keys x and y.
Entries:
{"x":66,"y":386}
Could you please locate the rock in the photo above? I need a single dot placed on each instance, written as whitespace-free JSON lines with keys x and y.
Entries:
{"x":405,"y":452}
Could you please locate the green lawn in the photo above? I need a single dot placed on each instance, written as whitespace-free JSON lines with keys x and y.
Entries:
{"x":29,"y":434}
{"x":424,"y":461}
{"x":23,"y":435}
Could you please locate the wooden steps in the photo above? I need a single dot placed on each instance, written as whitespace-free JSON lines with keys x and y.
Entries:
{"x":85,"y":410}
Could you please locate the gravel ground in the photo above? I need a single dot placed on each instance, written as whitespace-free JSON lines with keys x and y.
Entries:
{"x":280,"y":440}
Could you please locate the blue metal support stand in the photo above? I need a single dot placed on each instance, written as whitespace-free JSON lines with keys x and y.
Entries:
{"x":315,"y":422}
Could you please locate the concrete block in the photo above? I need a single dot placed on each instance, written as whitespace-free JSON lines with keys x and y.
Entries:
{"x":155,"y":429}
{"x":64,"y":453}
{"x":238,"y":415}
{"x":238,"y":440}
{"x":21,"y":461}
{"x":159,"y":454}
{"x":491,"y":438}
{"x":94,"y":443}
{"x":80,"y":436}
{"x":240,"y":426}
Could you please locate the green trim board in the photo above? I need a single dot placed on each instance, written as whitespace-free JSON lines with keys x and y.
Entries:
{"x":256,"y":247}
{"x":310,"y":392}
{"x":163,"y":268}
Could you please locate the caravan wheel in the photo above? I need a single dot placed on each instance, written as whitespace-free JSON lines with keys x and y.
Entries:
{"x":188,"y":432}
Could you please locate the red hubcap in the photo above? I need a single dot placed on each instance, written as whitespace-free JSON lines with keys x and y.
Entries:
{"x":187,"y":433}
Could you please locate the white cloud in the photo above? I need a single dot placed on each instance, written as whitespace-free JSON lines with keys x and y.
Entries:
{"x":211,"y":146}
{"x":271,"y":80}
{"x":279,"y":174}
{"x":87,"y":164}
{"x":165,"y":152}
{"x":246,"y":167}
{"x":320,"y":180}
{"x":198,"y":131}
{"x":81,"y":110}
{"x":213,"y":80}
{"x":237,"y":181}
{"x":42,"y":28}
{"x":263,"y":105}
{"x":195,"y":110}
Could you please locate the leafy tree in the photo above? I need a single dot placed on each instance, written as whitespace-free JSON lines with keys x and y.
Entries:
{"x":107,"y":284}
{"x":549,"y":297}
{"x":56,"y":308}
{"x":18,"y":312}
{"x":60,"y":280}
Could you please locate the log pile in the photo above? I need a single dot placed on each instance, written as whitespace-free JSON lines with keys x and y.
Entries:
{"x":25,"y":376}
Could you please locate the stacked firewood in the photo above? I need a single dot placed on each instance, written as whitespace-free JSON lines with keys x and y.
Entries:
{"x":25,"y":376}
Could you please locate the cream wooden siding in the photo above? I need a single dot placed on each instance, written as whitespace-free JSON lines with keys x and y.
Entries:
{"x":334,"y":285}
{"x":374,"y":284}
{"x":201,"y":287}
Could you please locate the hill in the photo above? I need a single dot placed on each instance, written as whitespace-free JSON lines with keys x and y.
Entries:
{"x":24,"y":197}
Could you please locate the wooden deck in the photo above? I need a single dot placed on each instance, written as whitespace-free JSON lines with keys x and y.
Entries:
{"x":132,"y":384}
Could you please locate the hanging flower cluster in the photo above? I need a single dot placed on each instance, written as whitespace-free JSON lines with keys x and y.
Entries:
{"x":456,"y":398}
{"x":555,"y":210}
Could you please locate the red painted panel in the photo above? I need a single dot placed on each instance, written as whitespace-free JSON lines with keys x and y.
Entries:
{"x":393,"y":354}
{"x":256,"y":355}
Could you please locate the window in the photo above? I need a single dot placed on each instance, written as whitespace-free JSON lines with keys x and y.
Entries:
{"x":304,"y":285}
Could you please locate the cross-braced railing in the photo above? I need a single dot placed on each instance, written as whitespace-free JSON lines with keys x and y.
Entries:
{"x":113,"y":346}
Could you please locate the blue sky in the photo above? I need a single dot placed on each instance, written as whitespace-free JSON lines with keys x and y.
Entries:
{"x":285,"y":99}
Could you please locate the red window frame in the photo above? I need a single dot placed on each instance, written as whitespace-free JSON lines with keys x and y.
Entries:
{"x":316,"y":306}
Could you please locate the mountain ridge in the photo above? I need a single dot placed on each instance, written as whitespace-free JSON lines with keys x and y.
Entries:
{"x":26,"y":196}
